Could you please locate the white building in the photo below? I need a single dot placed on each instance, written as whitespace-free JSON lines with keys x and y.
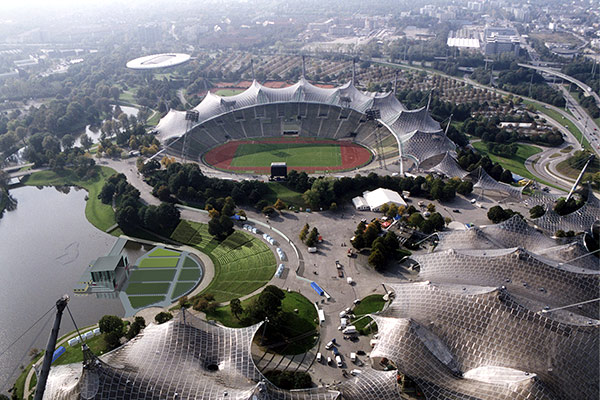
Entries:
{"x":375,"y":199}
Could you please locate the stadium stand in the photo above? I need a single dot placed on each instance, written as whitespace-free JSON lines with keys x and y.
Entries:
{"x":309,"y":111}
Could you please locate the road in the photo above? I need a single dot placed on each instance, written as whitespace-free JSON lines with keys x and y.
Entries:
{"x":583,"y":120}
{"x":586,"y":89}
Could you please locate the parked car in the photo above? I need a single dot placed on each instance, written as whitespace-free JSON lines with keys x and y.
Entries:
{"x":338,"y":359}
{"x":319,"y":357}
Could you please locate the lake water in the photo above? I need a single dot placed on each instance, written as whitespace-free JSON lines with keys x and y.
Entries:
{"x":95,"y":134}
{"x":45,"y":245}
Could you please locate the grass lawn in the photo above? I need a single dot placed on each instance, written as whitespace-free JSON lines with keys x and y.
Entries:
{"x":288,"y":196}
{"x":182,"y":287}
{"x":228,"y":92}
{"x":142,"y":301}
{"x":295,"y":323}
{"x":295,"y":154}
{"x":160,"y":252}
{"x":98,"y":214}
{"x":160,"y":262}
{"x":189,"y":263}
{"x":242,"y":262}
{"x":516,"y":164}
{"x":152,"y":275}
{"x":153,"y":120}
{"x":368,"y":305}
{"x":127,"y":96}
{"x":74,"y":354}
{"x":147,"y":288}
{"x":189,"y":274}
{"x":561,"y":120}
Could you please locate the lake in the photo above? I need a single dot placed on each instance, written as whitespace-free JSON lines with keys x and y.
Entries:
{"x":45,"y":245}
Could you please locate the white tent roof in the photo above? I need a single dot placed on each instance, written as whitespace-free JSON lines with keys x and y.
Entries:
{"x":381,"y":196}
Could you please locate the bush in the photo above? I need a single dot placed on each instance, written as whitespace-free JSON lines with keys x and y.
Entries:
{"x":163,"y":317}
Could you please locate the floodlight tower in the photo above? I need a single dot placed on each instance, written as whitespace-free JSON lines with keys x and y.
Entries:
{"x":191,"y":118}
{"x":50,"y":347}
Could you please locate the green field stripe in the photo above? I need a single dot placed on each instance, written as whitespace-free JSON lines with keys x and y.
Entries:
{"x":165,"y":275}
{"x":147,"y":288}
{"x":294,"y":154}
{"x":159,"y":262}
{"x":143,"y":301}
{"x":189,"y":274}
{"x":160,"y":252}
{"x":181,"y":288}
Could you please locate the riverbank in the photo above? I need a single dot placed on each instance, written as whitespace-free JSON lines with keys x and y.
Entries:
{"x":102,"y":216}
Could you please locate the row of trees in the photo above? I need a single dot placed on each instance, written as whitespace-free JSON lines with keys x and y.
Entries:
{"x":487,"y":129}
{"x":131,"y":214}
{"x":189,"y":184}
{"x":470,"y":160}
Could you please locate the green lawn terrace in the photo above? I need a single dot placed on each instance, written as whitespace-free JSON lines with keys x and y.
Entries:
{"x":159,"y":278}
{"x":242,"y":262}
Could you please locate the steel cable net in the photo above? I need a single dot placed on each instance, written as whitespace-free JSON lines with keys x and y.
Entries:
{"x":449,"y":167}
{"x":195,"y":360}
{"x":525,"y":274}
{"x":476,"y":342}
{"x":485,"y":182}
{"x":515,"y":232}
{"x":578,"y":221}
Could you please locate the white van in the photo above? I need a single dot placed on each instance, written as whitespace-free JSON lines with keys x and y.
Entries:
{"x":355,"y":372}
{"x":353,"y":357}
{"x":328,"y":360}
{"x":349,"y":280}
{"x":338,"y":360}
{"x":312,"y":249}
{"x":329,"y":345}
{"x":351,"y":329}
{"x":319,"y":357}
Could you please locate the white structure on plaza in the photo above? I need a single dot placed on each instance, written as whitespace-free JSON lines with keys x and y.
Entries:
{"x":375,"y":199}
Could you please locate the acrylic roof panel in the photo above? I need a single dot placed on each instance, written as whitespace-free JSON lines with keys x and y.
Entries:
{"x":515,"y":232}
{"x":450,"y":167}
{"x":371,"y":385}
{"x":521,"y":272}
{"x":424,"y":145}
{"x":486,"y":182}
{"x":580,"y":220}
{"x":425,"y":358}
{"x":195,"y":360}
{"x":482,"y":326}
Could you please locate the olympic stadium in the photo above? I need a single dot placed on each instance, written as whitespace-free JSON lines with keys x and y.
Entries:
{"x":300,"y":112}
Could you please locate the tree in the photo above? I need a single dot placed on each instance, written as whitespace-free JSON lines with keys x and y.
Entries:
{"x":304,"y":232}
{"x":68,"y":141}
{"x":268,"y":210}
{"x":280,"y":205}
{"x":333,"y":206}
{"x":416,"y":220}
{"x":111,"y":323}
{"x":537,"y":211}
{"x":377,"y":259}
{"x":236,"y":307}
{"x":312,"y":238}
{"x":163,"y":317}
{"x":358,"y":242}
{"x":136,"y":326}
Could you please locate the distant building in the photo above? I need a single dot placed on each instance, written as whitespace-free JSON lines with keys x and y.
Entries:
{"x":377,"y":198}
{"x":498,"y":40}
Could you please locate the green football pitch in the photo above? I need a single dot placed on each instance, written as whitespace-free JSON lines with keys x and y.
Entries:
{"x":294,"y":154}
